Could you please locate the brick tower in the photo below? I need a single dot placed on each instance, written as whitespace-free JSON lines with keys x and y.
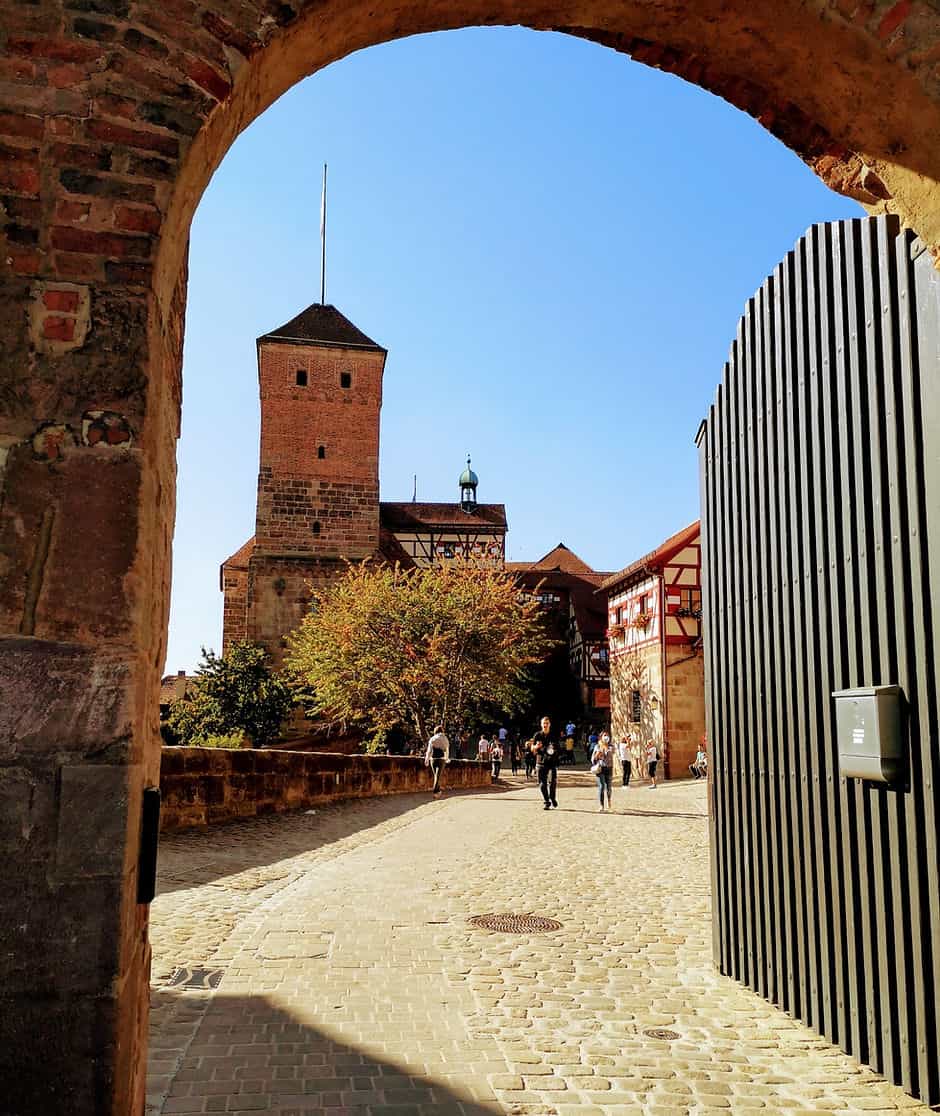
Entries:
{"x":318,"y":482}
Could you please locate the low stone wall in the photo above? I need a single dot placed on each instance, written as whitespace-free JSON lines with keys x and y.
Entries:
{"x":203,"y":786}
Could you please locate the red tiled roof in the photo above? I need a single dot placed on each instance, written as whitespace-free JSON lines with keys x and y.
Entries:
{"x":174,"y":686}
{"x":417,"y":516}
{"x":322,"y":325}
{"x":560,"y":557}
{"x":658,"y":557}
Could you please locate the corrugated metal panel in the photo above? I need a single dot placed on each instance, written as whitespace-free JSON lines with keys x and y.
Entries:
{"x":820,"y":473}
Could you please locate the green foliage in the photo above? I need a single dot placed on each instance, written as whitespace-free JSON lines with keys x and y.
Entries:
{"x":235,"y":695}
{"x":223,"y":740}
{"x":387,"y":647}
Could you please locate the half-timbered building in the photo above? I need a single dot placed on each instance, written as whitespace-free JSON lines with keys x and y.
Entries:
{"x":566,"y":586}
{"x":657,"y":681}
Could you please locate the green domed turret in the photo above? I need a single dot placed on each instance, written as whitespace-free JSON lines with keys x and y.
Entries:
{"x":468,"y":488}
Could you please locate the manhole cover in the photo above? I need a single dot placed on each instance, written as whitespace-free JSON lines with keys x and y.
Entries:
{"x":187,"y":977}
{"x":515,"y":923}
{"x":661,"y":1033}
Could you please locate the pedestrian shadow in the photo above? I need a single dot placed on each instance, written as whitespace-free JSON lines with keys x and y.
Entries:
{"x":248,"y":1053}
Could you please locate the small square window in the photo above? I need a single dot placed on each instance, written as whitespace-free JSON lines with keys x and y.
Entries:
{"x":345,"y":379}
{"x":301,"y":378}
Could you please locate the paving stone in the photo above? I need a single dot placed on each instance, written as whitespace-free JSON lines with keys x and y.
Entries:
{"x":352,"y":983}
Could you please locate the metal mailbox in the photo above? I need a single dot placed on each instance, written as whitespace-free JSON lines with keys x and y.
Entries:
{"x":868,"y":732}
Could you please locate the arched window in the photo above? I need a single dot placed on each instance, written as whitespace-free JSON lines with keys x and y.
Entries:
{"x":321,"y":452}
{"x":316,"y":527}
{"x":301,"y":377}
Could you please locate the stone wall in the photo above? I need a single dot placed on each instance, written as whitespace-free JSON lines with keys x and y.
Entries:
{"x":685,"y":707}
{"x":204,"y":786}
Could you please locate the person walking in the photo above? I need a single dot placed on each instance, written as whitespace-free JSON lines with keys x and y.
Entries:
{"x":652,"y":759}
{"x":547,"y":754}
{"x":626,"y":760}
{"x":602,"y":767}
{"x":528,"y":758}
{"x":483,"y":749}
{"x":496,"y":760}
{"x":590,"y":746}
{"x":514,"y":756}
{"x":437,"y":755}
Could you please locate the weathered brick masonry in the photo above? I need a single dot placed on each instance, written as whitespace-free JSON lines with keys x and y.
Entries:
{"x":205,"y":786}
{"x":113,"y":116}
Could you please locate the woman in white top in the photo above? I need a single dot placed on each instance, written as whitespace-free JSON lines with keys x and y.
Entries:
{"x":437,"y":755}
{"x":652,"y":759}
{"x":602,"y":765}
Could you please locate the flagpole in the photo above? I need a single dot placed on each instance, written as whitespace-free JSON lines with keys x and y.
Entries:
{"x":323,"y":241}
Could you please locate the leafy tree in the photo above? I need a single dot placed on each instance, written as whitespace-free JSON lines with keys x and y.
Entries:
{"x":386,"y":647}
{"x":234,"y":693}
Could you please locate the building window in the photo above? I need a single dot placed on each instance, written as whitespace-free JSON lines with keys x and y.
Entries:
{"x":690,"y":602}
{"x":301,"y":378}
{"x":316,"y":527}
{"x":345,"y":379}
{"x":321,"y":452}
{"x":644,"y":603}
{"x":636,"y":706}
{"x":618,"y":615}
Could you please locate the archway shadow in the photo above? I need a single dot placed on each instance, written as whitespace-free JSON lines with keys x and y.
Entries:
{"x":247,"y":1054}
{"x":192,"y":857}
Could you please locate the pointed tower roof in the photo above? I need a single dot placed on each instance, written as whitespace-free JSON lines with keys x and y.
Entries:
{"x":322,"y":325}
{"x":561,"y":558}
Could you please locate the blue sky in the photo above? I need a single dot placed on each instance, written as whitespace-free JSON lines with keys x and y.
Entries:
{"x":554,"y":243}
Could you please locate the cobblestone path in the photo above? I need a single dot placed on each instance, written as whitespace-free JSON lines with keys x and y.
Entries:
{"x":352,"y":985}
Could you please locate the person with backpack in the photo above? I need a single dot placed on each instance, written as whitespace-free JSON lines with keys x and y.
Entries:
{"x":652,"y":760}
{"x":528,"y":758}
{"x":437,"y":755}
{"x":496,"y":759}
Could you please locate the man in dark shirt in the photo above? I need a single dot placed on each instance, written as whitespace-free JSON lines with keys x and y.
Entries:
{"x":547,"y":755}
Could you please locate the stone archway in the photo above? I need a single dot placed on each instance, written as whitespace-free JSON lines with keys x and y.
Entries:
{"x":113,"y":117}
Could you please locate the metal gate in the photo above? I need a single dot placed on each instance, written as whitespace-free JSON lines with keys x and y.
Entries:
{"x":820,"y":470}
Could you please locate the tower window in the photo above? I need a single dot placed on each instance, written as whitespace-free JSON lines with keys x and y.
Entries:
{"x":316,"y":527}
{"x":321,"y":452}
{"x":301,"y":378}
{"x":345,"y":379}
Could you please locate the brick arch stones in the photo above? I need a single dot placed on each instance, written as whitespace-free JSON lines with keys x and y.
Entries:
{"x":113,"y":116}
